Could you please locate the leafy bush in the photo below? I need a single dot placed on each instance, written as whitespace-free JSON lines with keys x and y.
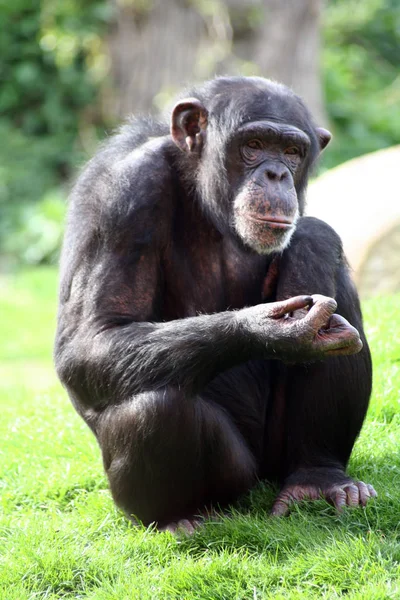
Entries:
{"x":361,"y":62}
{"x":52,"y":62}
{"x":37,"y":232}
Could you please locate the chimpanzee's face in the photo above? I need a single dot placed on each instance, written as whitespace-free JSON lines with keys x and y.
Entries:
{"x":266,"y":159}
{"x":251,"y":145}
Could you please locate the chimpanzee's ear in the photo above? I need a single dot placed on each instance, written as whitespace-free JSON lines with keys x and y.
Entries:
{"x":324,"y":137}
{"x":188,"y":124}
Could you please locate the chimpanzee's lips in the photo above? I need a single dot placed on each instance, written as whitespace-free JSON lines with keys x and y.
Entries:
{"x":271,"y":221}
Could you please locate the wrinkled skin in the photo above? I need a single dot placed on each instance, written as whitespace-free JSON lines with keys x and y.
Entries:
{"x":317,"y":334}
{"x":316,"y":484}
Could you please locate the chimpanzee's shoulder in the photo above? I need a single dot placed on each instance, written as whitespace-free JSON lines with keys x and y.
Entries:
{"x":129,"y":177}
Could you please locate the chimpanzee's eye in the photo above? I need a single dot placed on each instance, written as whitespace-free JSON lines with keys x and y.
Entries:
{"x":292,"y":150}
{"x":254,"y":144}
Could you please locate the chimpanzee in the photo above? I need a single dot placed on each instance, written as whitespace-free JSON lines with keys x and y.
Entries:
{"x":197,"y":332}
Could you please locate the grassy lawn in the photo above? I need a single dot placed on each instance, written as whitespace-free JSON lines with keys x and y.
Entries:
{"x":62,"y":537}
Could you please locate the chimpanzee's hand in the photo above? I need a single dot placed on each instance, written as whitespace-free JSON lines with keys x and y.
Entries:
{"x":316,"y":334}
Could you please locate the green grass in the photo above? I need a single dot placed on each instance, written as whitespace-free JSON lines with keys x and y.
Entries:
{"x":62,"y":537}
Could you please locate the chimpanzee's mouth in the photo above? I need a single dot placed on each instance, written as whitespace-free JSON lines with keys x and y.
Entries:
{"x":271,"y":221}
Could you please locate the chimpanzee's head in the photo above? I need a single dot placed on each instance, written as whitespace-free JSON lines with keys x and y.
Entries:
{"x":250,"y":144}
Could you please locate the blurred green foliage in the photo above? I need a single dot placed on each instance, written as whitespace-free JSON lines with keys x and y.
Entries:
{"x":51,"y":64}
{"x":54,"y":69}
{"x":361,"y":76}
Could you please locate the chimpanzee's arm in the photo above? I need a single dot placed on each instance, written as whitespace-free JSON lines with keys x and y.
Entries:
{"x":111,"y":288}
{"x":108,"y":346}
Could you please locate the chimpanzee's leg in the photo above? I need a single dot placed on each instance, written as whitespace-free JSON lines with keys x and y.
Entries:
{"x":325,"y":402}
{"x":168,"y":456}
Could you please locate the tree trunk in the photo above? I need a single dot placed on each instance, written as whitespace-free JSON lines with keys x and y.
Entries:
{"x":285,"y":46}
{"x":153,"y":52}
{"x":157,"y":47}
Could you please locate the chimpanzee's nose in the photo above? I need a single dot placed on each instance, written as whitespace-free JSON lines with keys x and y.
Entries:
{"x":276,"y":172}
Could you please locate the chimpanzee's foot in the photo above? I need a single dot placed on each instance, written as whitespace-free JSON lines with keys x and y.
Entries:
{"x":314,"y":483}
{"x":186,"y":526}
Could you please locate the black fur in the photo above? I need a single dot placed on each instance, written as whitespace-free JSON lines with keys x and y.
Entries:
{"x":153,"y":344}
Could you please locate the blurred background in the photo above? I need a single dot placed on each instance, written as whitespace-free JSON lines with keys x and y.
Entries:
{"x":71,"y":71}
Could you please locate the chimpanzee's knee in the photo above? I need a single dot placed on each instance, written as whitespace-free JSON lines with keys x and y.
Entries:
{"x":166,"y":456}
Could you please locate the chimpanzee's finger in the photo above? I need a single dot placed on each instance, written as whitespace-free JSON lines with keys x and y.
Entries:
{"x":171,"y":528}
{"x":364,"y":493}
{"x":320,"y":312}
{"x":340,"y":337}
{"x":338,"y":498}
{"x":283,"y":307}
{"x":281,"y":505}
